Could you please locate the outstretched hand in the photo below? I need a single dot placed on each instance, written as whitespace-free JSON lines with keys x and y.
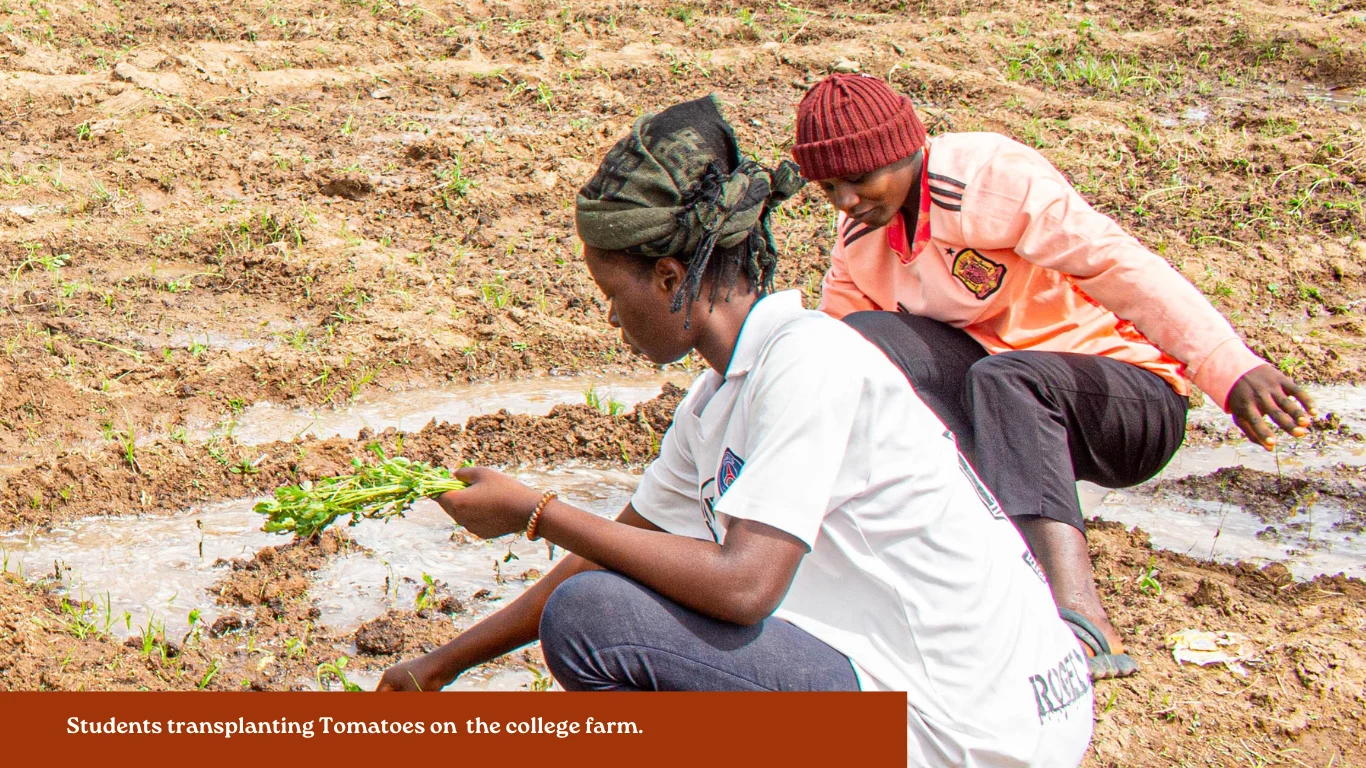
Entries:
{"x":492,"y":505}
{"x":1266,"y":392}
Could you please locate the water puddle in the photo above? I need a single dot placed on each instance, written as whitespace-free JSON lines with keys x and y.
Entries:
{"x":202,"y":340}
{"x":147,"y":566}
{"x":453,"y":403}
{"x":1315,"y":540}
{"x":1191,"y":116}
{"x":1346,"y":99}
{"x":162,"y":567}
{"x":1341,"y":99}
{"x":360,"y":585}
{"x":1347,"y":401}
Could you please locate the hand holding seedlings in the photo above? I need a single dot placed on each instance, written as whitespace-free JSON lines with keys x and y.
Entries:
{"x":492,"y":504}
{"x":380,"y":490}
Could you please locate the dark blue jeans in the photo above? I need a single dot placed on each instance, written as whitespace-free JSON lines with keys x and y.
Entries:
{"x":603,"y":632}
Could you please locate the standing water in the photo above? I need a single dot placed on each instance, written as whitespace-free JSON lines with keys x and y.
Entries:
{"x":162,"y":567}
{"x":1318,"y":537}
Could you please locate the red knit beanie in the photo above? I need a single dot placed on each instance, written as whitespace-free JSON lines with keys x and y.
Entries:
{"x":853,"y":124}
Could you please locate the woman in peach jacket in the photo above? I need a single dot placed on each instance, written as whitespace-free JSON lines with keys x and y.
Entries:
{"x":1050,"y":342}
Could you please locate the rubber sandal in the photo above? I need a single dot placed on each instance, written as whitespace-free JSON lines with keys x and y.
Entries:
{"x":1103,"y":665}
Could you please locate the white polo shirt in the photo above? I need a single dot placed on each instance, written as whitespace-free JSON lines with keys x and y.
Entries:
{"x":913,"y":572}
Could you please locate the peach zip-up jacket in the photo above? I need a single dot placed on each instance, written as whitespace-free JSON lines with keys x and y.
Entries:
{"x":1006,"y":250}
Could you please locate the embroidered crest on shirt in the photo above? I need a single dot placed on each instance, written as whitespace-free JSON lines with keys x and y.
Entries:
{"x":980,"y":275}
{"x":730,"y":469}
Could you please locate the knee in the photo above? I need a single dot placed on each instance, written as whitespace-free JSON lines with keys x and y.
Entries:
{"x":575,"y":606}
{"x":586,"y":611}
{"x":1005,"y":372}
{"x":578,"y":617}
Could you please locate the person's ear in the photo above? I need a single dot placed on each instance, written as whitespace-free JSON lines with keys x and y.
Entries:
{"x":669,"y":274}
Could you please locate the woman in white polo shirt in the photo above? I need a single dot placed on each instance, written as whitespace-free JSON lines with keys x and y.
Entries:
{"x":808,"y":525}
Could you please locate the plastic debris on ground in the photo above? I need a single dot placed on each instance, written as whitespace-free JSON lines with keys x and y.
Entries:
{"x":1196,"y":646}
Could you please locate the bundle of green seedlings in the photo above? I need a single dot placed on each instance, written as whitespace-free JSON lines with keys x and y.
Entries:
{"x":377,"y":491}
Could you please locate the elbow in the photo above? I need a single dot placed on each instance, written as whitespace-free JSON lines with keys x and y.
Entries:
{"x":746,"y":617}
{"x":748,"y":607}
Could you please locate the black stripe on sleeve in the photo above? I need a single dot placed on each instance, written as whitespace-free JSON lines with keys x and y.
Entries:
{"x":854,"y":236}
{"x":945,"y":206}
{"x":947,"y":193}
{"x":947,"y":180}
{"x":849,"y":224}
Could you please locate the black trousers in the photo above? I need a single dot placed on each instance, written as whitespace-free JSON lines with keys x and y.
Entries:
{"x":1033,"y":423}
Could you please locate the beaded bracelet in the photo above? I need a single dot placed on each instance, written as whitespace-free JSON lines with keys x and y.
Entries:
{"x":535,"y":519}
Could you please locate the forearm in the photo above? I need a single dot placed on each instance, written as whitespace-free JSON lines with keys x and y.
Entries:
{"x":1053,"y":227}
{"x":700,"y":575}
{"x":508,"y":629}
{"x":1172,"y":314}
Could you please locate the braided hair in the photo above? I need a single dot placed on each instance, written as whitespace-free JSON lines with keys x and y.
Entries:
{"x":678,"y":187}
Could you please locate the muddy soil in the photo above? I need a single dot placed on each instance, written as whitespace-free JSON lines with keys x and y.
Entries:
{"x":1275,"y":497}
{"x":1299,"y":704}
{"x":165,"y":476}
{"x":209,"y":207}
{"x":1301,"y":697}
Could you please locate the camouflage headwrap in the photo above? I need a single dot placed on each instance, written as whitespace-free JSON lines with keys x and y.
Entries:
{"x":677,"y":186}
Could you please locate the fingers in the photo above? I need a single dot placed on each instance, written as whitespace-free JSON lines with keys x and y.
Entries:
{"x":1266,"y":393}
{"x":1273,"y":404}
{"x":1297,"y":392}
{"x":1256,"y":429}
{"x":1294,"y":413}
{"x":469,"y":475}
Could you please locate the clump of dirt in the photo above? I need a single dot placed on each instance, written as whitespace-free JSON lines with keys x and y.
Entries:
{"x":348,"y":187}
{"x":400,"y":635}
{"x":228,"y":623}
{"x":276,"y":578}
{"x":1276,"y":497}
{"x":380,"y":637}
{"x":573,"y":432}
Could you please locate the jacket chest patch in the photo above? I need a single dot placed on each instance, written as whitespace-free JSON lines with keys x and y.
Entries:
{"x":980,"y":275}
